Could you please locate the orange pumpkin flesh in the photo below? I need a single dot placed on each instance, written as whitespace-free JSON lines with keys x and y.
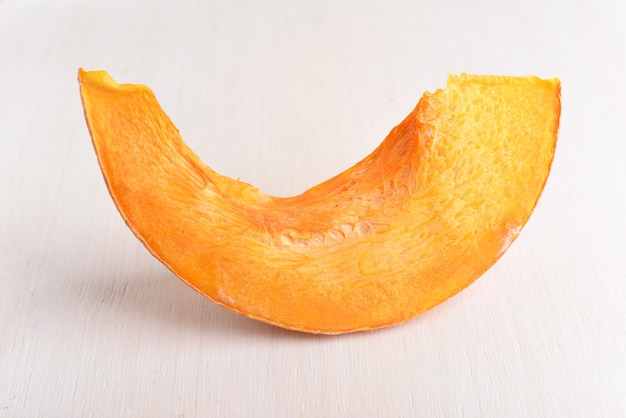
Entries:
{"x":412,"y":224}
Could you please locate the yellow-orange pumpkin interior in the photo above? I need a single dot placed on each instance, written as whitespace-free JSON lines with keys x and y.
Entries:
{"x":415,"y":222}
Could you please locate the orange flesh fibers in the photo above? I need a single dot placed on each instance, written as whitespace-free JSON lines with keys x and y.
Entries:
{"x":412,"y":224}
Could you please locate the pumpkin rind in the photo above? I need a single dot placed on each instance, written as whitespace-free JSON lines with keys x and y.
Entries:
{"x":412,"y":224}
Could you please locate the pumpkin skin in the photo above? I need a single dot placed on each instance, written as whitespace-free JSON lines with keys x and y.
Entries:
{"x":409,"y":226}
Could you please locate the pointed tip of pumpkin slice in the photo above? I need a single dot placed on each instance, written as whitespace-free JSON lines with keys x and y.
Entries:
{"x":414,"y":223}
{"x":97,"y":79}
{"x":101,"y":80}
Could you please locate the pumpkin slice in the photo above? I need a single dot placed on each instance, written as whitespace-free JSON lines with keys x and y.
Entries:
{"x":415,"y":222}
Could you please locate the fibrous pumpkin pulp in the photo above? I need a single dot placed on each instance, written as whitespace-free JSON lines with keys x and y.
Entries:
{"x":415,"y":222}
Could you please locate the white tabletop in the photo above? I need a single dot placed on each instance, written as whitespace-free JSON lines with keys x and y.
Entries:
{"x":284,"y":94}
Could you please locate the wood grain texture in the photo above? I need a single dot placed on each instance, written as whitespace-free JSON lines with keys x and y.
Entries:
{"x":284,"y":94}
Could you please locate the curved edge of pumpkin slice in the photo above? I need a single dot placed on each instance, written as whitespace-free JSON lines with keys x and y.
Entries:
{"x":415,"y":222}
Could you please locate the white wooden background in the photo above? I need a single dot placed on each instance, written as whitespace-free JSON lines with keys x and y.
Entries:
{"x":285,"y":94}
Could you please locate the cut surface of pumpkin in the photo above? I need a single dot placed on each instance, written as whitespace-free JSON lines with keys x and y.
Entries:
{"x":409,"y":226}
